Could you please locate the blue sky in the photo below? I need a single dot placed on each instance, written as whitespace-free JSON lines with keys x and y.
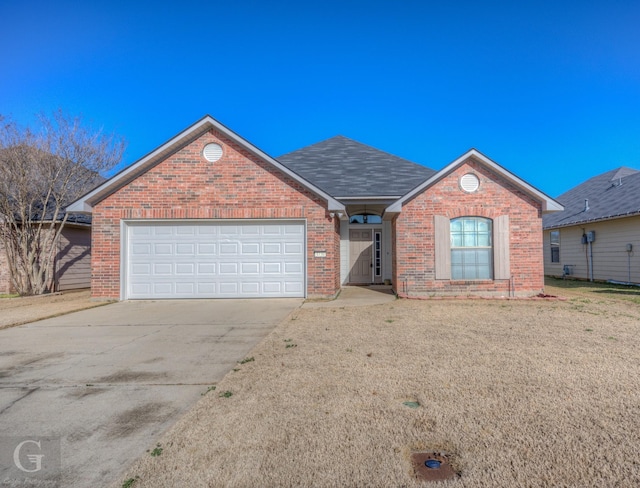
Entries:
{"x":550,"y":90}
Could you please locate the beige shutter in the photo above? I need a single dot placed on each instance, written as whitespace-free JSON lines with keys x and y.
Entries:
{"x":443,"y":247}
{"x":501,"y":262}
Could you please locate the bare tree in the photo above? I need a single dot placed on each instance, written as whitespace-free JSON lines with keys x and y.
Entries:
{"x":41,"y":171}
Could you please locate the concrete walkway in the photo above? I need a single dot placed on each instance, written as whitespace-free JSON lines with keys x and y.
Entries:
{"x":356,"y":296}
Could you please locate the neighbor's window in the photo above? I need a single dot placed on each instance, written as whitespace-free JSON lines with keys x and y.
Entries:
{"x":554,"y":237}
{"x":471,"y":249}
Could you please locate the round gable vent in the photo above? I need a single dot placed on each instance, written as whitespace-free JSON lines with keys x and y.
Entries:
{"x":212,"y":152}
{"x":469,"y":183}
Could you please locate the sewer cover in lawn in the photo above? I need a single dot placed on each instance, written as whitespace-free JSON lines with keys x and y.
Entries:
{"x":432,"y":466}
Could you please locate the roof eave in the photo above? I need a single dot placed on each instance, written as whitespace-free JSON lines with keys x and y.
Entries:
{"x":86,"y":203}
{"x":632,"y":213}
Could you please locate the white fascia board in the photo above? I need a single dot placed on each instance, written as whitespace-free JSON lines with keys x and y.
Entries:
{"x":85,"y":203}
{"x":548,"y":203}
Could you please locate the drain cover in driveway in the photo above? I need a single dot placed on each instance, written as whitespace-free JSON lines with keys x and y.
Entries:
{"x":432,"y":466}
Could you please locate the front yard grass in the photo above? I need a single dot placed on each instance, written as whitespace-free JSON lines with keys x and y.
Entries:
{"x":518,"y":393}
{"x":594,"y":290}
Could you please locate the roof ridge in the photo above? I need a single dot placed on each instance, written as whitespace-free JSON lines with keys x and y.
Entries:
{"x":344,"y":166}
{"x":373,"y":148}
{"x":624,"y":171}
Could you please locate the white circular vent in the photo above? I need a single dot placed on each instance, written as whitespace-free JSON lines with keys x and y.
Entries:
{"x":212,"y":152}
{"x":469,"y":182}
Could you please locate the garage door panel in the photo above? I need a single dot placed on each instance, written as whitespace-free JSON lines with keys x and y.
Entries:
{"x":271,"y":287}
{"x":141,"y":249}
{"x":250,"y":230}
{"x":185,"y":288}
{"x":206,"y":249}
{"x":163,"y":231}
{"x":293,"y":268}
{"x":272,"y":248}
{"x":185,"y":230}
{"x":229,"y":289}
{"x":228,"y":268}
{"x":206,"y":289}
{"x":160,"y":269}
{"x":291,"y":229}
{"x":206,"y":268}
{"x":292,"y":248}
{"x":273,"y":230}
{"x":160,"y":289}
{"x":293,"y":287}
{"x":229,"y":249}
{"x":162,"y":249}
{"x":250,"y":288}
{"x":186,"y":249}
{"x":215,"y":259}
{"x":142,"y":289}
{"x":251,"y":248}
{"x":272,"y":268}
{"x":250,"y":268}
{"x":141,"y":269}
{"x":185,"y":268}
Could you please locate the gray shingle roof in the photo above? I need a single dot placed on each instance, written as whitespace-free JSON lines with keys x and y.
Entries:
{"x":343,"y":167}
{"x":612,"y":194}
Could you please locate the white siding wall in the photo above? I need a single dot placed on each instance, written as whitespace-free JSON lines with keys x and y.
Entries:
{"x":610,"y":258}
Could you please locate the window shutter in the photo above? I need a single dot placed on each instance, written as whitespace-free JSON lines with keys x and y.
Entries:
{"x":501,"y":261}
{"x":442,"y":247}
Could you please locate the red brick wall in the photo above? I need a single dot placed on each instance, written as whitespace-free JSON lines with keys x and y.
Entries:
{"x":414,"y":256}
{"x":238,"y":186}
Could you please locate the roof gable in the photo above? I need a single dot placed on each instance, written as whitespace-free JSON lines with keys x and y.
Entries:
{"x":343,"y":167}
{"x":130,"y":173}
{"x":548,"y":204}
{"x":612,"y":194}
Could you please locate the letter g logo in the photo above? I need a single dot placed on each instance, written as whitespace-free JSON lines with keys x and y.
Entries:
{"x":34,"y":459}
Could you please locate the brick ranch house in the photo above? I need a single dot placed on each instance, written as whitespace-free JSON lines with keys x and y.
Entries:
{"x":209,"y":215}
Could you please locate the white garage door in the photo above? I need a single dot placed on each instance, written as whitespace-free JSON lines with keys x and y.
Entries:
{"x":215,"y":259}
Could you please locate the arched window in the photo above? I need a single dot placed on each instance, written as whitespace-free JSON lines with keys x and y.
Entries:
{"x":471,"y":248}
{"x":365,"y":219}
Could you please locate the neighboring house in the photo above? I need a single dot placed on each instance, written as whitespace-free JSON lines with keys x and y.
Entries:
{"x":72,"y":266}
{"x":597,"y":236}
{"x":208,"y":214}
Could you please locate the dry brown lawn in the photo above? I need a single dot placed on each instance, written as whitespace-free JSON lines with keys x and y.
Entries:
{"x":518,"y":393}
{"x":24,"y":310}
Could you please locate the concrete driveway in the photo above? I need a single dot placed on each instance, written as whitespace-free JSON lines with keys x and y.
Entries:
{"x":104,"y":383}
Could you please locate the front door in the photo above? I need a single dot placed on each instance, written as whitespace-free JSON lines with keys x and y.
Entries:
{"x":360,"y":252}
